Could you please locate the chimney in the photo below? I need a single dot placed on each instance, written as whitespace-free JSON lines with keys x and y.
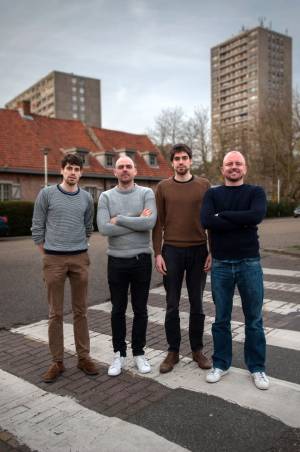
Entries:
{"x":24,"y":109}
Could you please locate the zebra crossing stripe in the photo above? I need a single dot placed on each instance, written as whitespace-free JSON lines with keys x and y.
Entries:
{"x":284,"y":287}
{"x":47,"y":422}
{"x":277,"y":337}
{"x":276,"y":306}
{"x":281,"y":401}
{"x":281,"y":272}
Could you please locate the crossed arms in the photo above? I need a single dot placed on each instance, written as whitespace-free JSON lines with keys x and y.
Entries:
{"x":122,"y":224}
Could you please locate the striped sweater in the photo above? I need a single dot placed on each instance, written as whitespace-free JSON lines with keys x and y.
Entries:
{"x":62,"y":220}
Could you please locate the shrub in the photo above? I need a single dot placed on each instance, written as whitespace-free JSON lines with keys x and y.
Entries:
{"x":282,"y":209}
{"x":19,"y":215}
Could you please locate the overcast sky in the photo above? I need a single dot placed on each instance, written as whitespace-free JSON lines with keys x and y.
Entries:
{"x":149,"y":54}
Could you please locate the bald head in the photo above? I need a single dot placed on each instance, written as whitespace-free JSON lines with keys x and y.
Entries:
{"x":234,"y":154}
{"x":125,"y":172}
{"x":234,"y":168}
{"x":124,"y":160}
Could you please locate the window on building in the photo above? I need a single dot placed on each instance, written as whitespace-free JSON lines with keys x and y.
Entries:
{"x":84,"y":155}
{"x":9,"y":191}
{"x":109,"y":163}
{"x":152,"y":160}
{"x":5,"y":192}
{"x":74,"y":98}
{"x":130,"y":153}
{"x":75,"y":116}
{"x":74,"y":80}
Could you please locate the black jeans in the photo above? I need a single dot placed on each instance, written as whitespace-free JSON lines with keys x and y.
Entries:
{"x":136,"y":273}
{"x":179,"y":260}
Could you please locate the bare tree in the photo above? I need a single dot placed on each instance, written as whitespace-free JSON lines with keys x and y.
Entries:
{"x":171,"y":126}
{"x":168,"y":128}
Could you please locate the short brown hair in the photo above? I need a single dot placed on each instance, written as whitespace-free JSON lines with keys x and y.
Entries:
{"x":180,"y":147}
{"x":72,"y":159}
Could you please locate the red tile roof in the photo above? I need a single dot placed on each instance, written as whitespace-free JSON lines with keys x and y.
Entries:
{"x":21,"y":141}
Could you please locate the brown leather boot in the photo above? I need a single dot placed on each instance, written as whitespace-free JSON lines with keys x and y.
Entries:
{"x":53,"y":372}
{"x":87,"y":366}
{"x":202,"y":360}
{"x":169,"y":362}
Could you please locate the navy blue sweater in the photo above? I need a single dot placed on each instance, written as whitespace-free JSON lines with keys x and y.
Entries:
{"x":233,"y":231}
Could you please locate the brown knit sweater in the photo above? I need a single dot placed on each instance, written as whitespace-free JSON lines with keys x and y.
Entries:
{"x":178,"y":213}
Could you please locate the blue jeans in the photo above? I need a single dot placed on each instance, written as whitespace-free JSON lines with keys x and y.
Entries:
{"x":247,"y":275}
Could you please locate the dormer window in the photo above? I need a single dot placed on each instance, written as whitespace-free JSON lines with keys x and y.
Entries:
{"x":82,"y":153}
{"x":151,"y":159}
{"x":109,"y":160}
{"x":130,"y":153}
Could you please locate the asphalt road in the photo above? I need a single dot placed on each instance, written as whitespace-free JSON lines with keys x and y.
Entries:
{"x":23,"y":295}
{"x":22,"y":291}
{"x":178,"y":407}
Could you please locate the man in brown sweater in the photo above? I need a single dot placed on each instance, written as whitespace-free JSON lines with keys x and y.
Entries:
{"x":180,"y":246}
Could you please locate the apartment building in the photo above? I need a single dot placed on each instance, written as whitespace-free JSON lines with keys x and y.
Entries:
{"x":250,"y":73}
{"x":64,"y":96}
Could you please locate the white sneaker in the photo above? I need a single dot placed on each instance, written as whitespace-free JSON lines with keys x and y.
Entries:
{"x":260,"y":379}
{"x":215,"y":374}
{"x":142,"y":364}
{"x":116,"y":366}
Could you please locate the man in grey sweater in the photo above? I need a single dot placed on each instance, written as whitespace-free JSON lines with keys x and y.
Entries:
{"x":126,"y":214}
{"x":61,"y":224}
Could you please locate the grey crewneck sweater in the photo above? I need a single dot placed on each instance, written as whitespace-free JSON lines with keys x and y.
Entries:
{"x":131,"y":235}
{"x":62,"y":220}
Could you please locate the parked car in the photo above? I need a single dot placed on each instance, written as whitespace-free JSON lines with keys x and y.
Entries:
{"x":297,"y":212}
{"x":3,"y":225}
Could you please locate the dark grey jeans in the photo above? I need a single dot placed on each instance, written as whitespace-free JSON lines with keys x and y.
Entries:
{"x":189,"y":260}
{"x":135,"y":273}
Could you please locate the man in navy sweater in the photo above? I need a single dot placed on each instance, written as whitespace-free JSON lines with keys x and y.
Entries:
{"x":231,"y":213}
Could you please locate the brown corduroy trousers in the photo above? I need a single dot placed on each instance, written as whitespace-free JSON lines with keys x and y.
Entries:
{"x":56,"y":269}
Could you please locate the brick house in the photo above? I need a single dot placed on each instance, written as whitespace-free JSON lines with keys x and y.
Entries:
{"x":26,"y":137}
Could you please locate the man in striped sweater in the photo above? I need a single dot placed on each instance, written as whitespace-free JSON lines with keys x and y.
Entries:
{"x":61,"y":224}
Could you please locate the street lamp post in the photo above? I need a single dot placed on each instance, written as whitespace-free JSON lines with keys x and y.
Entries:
{"x":45,"y":152}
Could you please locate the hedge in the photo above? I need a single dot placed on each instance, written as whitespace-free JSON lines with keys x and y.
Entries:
{"x":19,"y":214}
{"x":282,"y":209}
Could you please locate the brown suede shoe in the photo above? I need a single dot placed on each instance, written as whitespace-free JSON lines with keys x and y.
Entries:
{"x":169,"y":362}
{"x":53,"y":372}
{"x":202,"y":360}
{"x":87,"y":366}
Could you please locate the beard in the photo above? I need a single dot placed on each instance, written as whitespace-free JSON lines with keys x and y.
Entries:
{"x":71,"y":181}
{"x":182,"y":170}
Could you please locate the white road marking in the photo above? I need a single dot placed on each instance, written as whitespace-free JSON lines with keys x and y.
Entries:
{"x":47,"y":422}
{"x":276,"y":306}
{"x":281,"y":272}
{"x":277,"y":337}
{"x":281,"y":401}
{"x":284,"y":287}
